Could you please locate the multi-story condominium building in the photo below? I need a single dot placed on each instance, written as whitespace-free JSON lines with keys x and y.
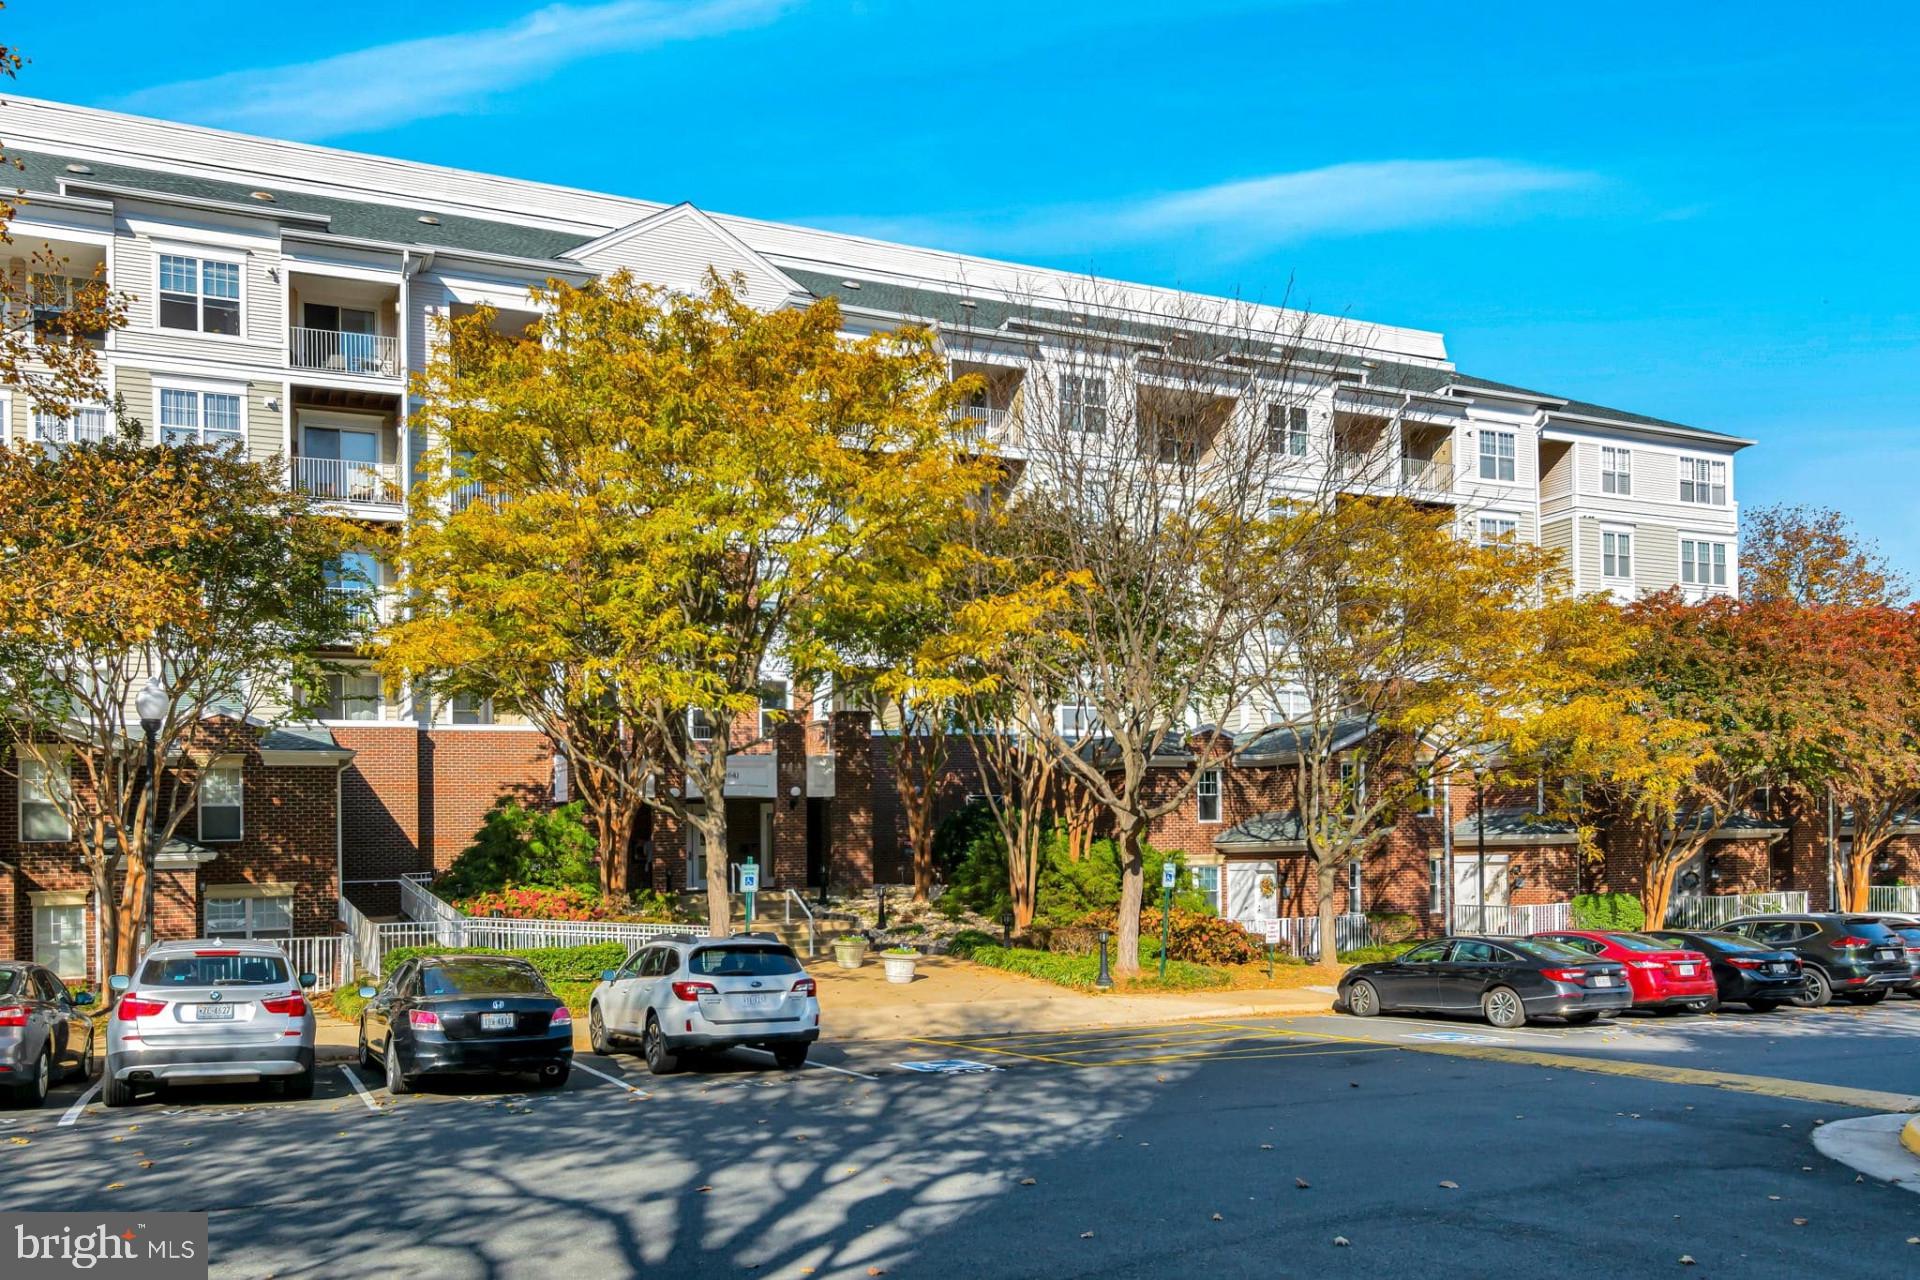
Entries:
{"x":282,"y":295}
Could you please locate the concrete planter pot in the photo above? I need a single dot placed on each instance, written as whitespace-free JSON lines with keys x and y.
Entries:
{"x":899,"y":968}
{"x":849,"y":953}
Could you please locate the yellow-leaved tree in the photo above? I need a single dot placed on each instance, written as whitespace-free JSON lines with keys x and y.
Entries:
{"x":628,"y":509}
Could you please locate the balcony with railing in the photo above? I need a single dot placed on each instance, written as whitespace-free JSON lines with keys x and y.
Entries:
{"x":372,"y":355}
{"x":367,"y":608}
{"x":981,"y":425}
{"x":372,"y":486}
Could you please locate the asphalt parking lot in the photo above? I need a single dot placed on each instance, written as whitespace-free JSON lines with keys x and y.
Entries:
{"x":1593,"y":1146}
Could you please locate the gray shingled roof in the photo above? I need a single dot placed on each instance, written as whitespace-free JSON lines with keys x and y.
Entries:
{"x":394,"y":224}
{"x":1268,"y":831}
{"x":1514,"y":826}
{"x":1284,"y":743}
{"x":300,"y":738}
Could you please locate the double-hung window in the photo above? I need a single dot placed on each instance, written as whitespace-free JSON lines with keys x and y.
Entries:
{"x":1287,"y":429}
{"x":699,"y":727}
{"x":470,"y":708}
{"x":201,"y":295}
{"x":220,"y":803}
{"x":352,"y":695}
{"x":199,"y":417}
{"x":1207,"y":880}
{"x":1703,"y":481}
{"x":1355,"y":904}
{"x":1436,"y":885}
{"x":60,"y":933}
{"x":1083,"y":402}
{"x":1496,"y":529}
{"x":1078,"y":721}
{"x":88,"y":424}
{"x":774,"y":701}
{"x":1616,"y":554}
{"x":46,"y":798}
{"x":1703,"y":564}
{"x":249,"y":915}
{"x":1206,"y":795}
{"x":1496,"y":455}
{"x":1616,"y":469}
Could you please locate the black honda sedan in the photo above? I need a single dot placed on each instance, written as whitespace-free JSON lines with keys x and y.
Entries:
{"x":1505,"y":980}
{"x":465,"y":1014}
{"x":1747,"y":972}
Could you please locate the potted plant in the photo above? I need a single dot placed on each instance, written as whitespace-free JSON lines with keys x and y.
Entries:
{"x":850,"y":952}
{"x":899,"y":962}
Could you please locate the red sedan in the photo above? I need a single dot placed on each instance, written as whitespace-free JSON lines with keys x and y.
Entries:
{"x":1661,"y":976}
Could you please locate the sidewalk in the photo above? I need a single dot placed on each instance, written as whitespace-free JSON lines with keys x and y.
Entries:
{"x":950,"y":997}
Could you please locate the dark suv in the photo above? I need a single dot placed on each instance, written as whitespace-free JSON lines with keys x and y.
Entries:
{"x":1854,"y":957}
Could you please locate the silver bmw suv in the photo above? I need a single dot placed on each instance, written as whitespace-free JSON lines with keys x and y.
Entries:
{"x":205,"y":1012}
{"x":679,"y":995}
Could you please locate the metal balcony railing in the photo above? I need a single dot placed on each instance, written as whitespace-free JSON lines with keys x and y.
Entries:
{"x":366,"y":606}
{"x":1426,"y":473}
{"x":373,"y":355}
{"x":366,"y":484}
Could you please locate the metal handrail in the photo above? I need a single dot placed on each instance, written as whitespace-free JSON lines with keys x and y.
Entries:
{"x":792,"y":896}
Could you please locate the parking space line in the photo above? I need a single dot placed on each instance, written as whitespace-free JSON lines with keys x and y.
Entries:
{"x":72,"y":1113}
{"x":818,"y":1066}
{"x":353,"y":1078}
{"x":983,"y":1048}
{"x":592,"y":1071}
{"x":1250,"y":1053}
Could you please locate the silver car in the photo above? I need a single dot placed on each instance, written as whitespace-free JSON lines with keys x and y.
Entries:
{"x":679,"y":995}
{"x":44,"y":1031}
{"x":207,"y":1013}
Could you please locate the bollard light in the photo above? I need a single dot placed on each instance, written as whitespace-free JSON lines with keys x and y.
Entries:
{"x":1104,"y":980}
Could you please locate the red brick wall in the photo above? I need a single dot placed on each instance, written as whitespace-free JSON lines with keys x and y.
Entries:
{"x":851,"y":852}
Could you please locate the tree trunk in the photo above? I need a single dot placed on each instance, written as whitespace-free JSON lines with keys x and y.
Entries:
{"x":1132,"y":884}
{"x":1327,"y":889}
{"x":915,"y":770}
{"x":1857,"y":883}
{"x":1022,"y":878}
{"x":1656,"y":897}
{"x":712,"y":826}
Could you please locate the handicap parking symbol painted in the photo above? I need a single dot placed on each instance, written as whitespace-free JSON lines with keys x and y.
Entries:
{"x":1453,"y":1037}
{"x":948,"y":1067}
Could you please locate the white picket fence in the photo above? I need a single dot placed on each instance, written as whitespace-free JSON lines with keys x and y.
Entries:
{"x":328,"y":957}
{"x":1894,"y":897}
{"x":435,"y":920}
{"x":1710,"y":911}
{"x":1511,"y":921}
{"x":1301,"y":934}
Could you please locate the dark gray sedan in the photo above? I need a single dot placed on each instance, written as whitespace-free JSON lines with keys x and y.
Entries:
{"x":1505,"y":980}
{"x":45,"y":1033}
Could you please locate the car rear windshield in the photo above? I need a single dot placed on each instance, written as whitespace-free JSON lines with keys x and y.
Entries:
{"x":1868,"y":928}
{"x":1724,"y":942}
{"x":481,"y":977}
{"x":247,"y":969}
{"x":742,"y":962}
{"x":1546,"y":949}
{"x":1634,"y":942}
{"x":6,"y":980}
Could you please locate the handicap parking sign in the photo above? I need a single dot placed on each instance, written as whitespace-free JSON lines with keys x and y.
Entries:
{"x":749,"y":878}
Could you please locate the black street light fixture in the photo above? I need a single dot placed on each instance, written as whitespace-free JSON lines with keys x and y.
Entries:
{"x":151,"y":704}
{"x":1104,"y":979}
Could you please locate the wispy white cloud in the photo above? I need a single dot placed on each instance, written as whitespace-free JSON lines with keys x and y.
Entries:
{"x":1252,"y":215}
{"x":392,"y":84}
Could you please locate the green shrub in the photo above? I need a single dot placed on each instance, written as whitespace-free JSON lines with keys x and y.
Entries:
{"x":956,"y":835}
{"x":1373,"y":954}
{"x":1199,"y":936}
{"x":1080,"y":971}
{"x":1393,"y":926}
{"x":1616,"y":911}
{"x":518,"y":845}
{"x":964,"y":943}
{"x":1069,"y":891}
{"x":555,"y":964}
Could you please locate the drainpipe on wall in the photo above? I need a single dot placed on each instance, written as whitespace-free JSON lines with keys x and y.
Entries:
{"x":1446,"y":853}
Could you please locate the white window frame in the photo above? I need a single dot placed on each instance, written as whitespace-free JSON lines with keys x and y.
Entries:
{"x":1076,"y":719}
{"x":45,"y":904}
{"x":696,"y":722}
{"x":1212,"y":869}
{"x":1620,"y":555}
{"x":1703,"y":561}
{"x":1356,"y":889}
{"x":1436,"y":884}
{"x":162,"y":387}
{"x":1703,"y":475}
{"x":1616,"y":470}
{"x":379,"y":697}
{"x":251,"y":896}
{"x":1287,"y":429}
{"x":1499,"y":461}
{"x":236,"y":766}
{"x":477,"y":713}
{"x":1084,"y":402}
{"x":200,"y":255}
{"x":26,"y":762}
{"x":1497,"y":527}
{"x":1207,"y":788}
{"x":99,"y":425}
{"x":784,"y":706}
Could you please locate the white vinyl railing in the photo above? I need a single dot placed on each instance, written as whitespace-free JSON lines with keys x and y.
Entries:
{"x":366,"y":606}
{"x":368,"y":484}
{"x":1511,"y":921}
{"x":1426,"y":473}
{"x":1710,"y":911}
{"x":374,"y":355}
{"x":1301,"y":934}
{"x":1894,"y":897}
{"x":437,"y":921}
{"x":328,"y":957}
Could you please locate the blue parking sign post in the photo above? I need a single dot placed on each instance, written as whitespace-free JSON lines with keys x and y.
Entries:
{"x":749,"y":885}
{"x":1167,"y":873}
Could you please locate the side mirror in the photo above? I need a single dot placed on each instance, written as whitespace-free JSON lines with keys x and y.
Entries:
{"x":368,"y":993}
{"x":82,"y":998}
{"x":119,"y":982}
{"x":307,"y":979}
{"x":606,"y":975}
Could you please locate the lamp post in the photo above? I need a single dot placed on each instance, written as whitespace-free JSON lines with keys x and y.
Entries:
{"x":151,"y":704}
{"x":1480,"y":856}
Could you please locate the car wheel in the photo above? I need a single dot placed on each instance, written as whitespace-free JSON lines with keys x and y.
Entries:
{"x":597,"y":1031}
{"x":114,"y":1091}
{"x":366,"y":1055}
{"x":397,"y":1082}
{"x":1580,"y":1019}
{"x":34,"y":1091}
{"x":1819,"y":992}
{"x":1363,"y":1001}
{"x":553,"y":1075}
{"x":1503,"y":1008}
{"x":84,"y":1071}
{"x":298,"y":1088}
{"x":1763,"y":1006}
{"x":790,"y":1057}
{"x":661,"y":1061}
{"x":1868,"y":997}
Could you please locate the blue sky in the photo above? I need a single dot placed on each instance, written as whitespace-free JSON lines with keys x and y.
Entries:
{"x":1704,"y":212}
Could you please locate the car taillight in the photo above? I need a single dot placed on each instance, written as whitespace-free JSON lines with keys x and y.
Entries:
{"x":1565,"y":975}
{"x":131,"y":1007}
{"x":562,"y":1017}
{"x":1646,"y":964}
{"x":291,"y":1006}
{"x":13,"y":1016}
{"x":1740,"y":962}
{"x":423,"y":1019}
{"x":1850,"y":943}
{"x":691,"y":991}
{"x":804,"y":987}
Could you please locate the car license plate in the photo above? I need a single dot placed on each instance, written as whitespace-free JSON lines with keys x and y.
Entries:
{"x":213,"y":1013}
{"x":760,"y":1003}
{"x":1686,"y":970}
{"x":496,"y":1022}
{"x":1602,"y":979}
{"x":1887,"y":954}
{"x":1779,"y":968}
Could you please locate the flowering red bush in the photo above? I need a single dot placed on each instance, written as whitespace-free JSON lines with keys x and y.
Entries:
{"x":536,"y":901}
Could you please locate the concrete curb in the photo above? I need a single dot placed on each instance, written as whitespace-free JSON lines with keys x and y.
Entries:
{"x":1910,"y":1135}
{"x":1878,"y":1146}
